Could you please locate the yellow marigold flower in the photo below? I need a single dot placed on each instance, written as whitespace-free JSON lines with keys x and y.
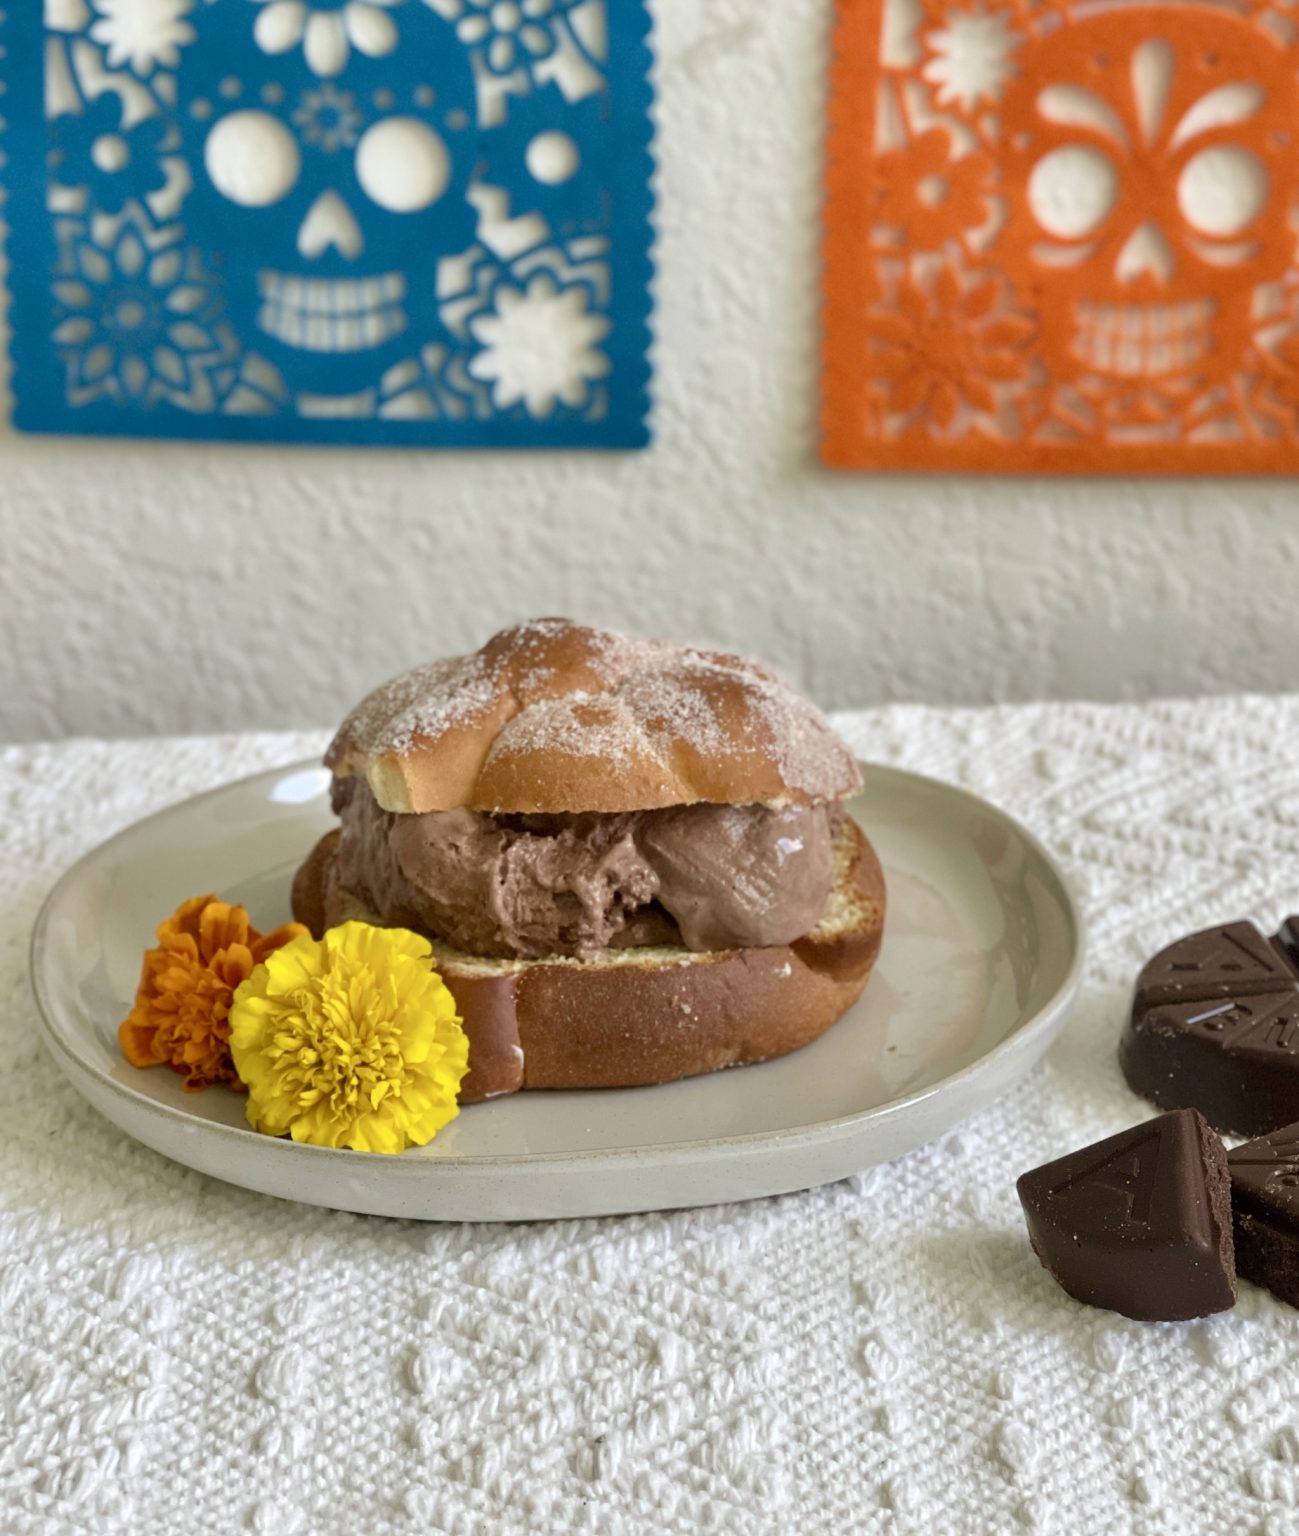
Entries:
{"x":350,"y":1041}
{"x":205,"y":949}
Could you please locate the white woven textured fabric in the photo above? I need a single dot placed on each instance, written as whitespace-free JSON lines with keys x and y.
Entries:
{"x":881,"y":1355}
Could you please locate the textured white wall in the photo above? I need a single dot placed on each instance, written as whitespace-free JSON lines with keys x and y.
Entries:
{"x":160,"y":588}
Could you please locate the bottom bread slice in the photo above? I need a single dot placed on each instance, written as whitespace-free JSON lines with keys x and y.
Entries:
{"x":634,"y":1017}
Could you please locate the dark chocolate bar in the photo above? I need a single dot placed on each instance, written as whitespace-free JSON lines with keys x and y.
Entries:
{"x":1214,"y":1026}
{"x":1139,"y":1223}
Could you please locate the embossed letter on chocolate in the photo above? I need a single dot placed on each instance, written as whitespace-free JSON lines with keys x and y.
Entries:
{"x":1139,"y":1223}
{"x":1215,"y":1027}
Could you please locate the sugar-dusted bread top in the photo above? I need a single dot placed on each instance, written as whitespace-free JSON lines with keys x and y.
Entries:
{"x":551,"y":716}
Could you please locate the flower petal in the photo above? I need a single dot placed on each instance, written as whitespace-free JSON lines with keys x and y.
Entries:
{"x":72,"y":294}
{"x":1005,"y":367}
{"x":894,"y":328}
{"x":1008,"y":331}
{"x":539,"y":41}
{"x":94,"y":264}
{"x":981,"y":299}
{"x":186,"y":298}
{"x":134,"y":374}
{"x":191,"y":337}
{"x":130,"y":254}
{"x":373,"y":32}
{"x":326,"y":47}
{"x":280,"y":25}
{"x":165,"y":267}
{"x":96,"y":363}
{"x":912,"y":389}
{"x":168,"y":366}
{"x":947,"y":289}
{"x":981,"y":394}
{"x":944,"y":402}
{"x":501,"y":53}
{"x":75,"y":331}
{"x":893,"y":362}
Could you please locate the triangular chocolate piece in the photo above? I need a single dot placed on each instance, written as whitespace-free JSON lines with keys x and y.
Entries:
{"x":1232,"y":961}
{"x":1139,"y":1223}
{"x":1265,"y":1201}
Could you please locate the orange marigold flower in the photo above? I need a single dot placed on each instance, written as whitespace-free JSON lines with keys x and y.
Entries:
{"x":927,"y":196}
{"x":206,"y":948}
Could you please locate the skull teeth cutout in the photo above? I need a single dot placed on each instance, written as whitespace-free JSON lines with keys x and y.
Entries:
{"x":1122,"y":178}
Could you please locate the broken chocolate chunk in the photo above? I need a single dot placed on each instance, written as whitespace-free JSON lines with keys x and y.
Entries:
{"x":1214,"y":1026}
{"x":1139,"y":1223}
{"x":1265,"y":1204}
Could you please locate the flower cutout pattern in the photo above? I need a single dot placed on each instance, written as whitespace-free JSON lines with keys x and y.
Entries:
{"x":329,"y":118}
{"x":435,"y":386}
{"x":142,"y":34}
{"x":137,"y":320}
{"x":509,"y":33}
{"x":925,"y":197}
{"x":539,"y":346}
{"x":972,"y":57}
{"x":327,"y":33}
{"x":95,"y":151}
{"x":948,"y":345}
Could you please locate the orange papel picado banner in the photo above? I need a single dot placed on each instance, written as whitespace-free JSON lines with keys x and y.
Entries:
{"x":1062,"y":237}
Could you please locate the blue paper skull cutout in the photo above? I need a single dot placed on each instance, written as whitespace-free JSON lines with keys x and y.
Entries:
{"x":386,"y":221}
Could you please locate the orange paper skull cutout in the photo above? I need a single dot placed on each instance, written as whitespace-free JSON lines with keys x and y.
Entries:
{"x":1063,"y":237}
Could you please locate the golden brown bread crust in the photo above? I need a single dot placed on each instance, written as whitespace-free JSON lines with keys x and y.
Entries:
{"x":551,"y":716}
{"x":641,"y":1017}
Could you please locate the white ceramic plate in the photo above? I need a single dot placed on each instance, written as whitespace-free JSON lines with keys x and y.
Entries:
{"x":982,"y":957}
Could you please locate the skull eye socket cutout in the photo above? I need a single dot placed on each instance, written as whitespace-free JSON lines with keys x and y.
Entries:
{"x":1072,"y":191}
{"x":252,"y":159}
{"x":1222,"y":190}
{"x":403,"y":165}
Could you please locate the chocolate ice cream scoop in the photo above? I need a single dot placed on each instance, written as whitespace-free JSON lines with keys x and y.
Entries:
{"x":496,"y":887}
{"x":741,"y":876}
{"x":706,"y":876}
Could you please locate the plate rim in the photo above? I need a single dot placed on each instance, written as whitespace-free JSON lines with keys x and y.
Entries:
{"x":1048,"y":1019}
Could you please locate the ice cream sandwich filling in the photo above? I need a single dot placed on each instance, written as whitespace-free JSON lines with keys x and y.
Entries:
{"x":703,"y":876}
